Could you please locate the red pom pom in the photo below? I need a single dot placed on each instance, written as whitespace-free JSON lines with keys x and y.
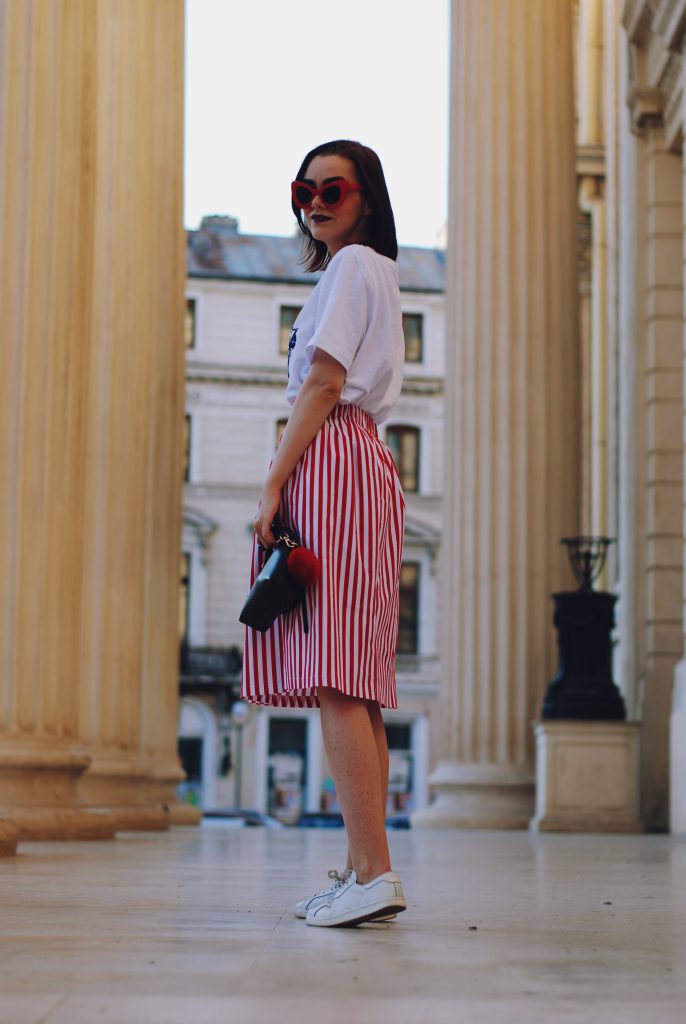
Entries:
{"x":304,"y":566}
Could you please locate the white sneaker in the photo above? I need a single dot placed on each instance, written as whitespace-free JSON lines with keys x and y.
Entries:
{"x":353,"y":903}
{"x":319,"y":898}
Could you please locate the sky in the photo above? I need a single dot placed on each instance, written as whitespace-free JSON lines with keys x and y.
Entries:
{"x":267,"y":80}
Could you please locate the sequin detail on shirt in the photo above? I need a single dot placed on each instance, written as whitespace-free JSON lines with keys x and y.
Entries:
{"x":291,"y":346}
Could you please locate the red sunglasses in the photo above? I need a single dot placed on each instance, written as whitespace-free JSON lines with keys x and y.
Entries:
{"x":331,"y":195}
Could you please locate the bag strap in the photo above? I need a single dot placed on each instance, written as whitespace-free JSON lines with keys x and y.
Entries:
{"x":291,"y":540}
{"x":303,"y":610}
{"x":287,"y":539}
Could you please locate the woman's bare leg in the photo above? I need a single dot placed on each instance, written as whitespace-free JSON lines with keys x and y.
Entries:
{"x":379,"y":731}
{"x":351,"y":739}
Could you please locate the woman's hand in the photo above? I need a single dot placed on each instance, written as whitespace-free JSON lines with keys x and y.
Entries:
{"x":266,"y":514}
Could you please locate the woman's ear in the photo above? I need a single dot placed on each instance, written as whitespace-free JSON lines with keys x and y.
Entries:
{"x":367,"y":210}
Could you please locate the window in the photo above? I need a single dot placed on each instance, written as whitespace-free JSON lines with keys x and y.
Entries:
{"x":286,"y":320}
{"x":189,"y":324}
{"x":404,"y":445}
{"x":400,"y":768}
{"x":413,"y":329}
{"x":280,"y":427}
{"x":184,"y":595}
{"x":287,"y":768}
{"x":409,"y":608}
{"x":190,"y":755}
{"x":187,"y":448}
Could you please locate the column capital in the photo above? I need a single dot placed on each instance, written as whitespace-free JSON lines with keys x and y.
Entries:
{"x":646,"y":105}
{"x":637,"y":18}
{"x":670,"y":22}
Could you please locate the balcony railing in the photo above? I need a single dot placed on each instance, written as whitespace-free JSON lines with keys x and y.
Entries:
{"x":211,"y":663}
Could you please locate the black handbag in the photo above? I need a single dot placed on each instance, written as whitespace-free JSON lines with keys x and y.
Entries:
{"x":275,"y":591}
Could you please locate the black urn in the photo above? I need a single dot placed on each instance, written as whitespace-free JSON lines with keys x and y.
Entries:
{"x":582,"y":687}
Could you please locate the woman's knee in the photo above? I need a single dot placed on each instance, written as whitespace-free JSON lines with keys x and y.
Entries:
{"x":332,"y":696}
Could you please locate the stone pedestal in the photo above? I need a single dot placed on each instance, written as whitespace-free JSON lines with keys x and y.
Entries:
{"x":587,"y":777}
{"x":677,"y":748}
{"x":512,"y":482}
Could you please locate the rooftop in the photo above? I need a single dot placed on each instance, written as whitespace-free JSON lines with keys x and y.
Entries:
{"x":217,"y":249}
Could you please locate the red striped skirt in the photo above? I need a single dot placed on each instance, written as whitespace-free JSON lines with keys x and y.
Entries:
{"x":345,"y":500}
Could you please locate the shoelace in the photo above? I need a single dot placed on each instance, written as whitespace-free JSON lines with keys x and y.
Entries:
{"x":338,"y":880}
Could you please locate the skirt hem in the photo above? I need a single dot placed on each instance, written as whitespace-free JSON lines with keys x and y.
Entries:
{"x":306,"y":696}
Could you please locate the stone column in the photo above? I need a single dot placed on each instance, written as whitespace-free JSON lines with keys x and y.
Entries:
{"x":662,"y":449}
{"x":677,"y":778}
{"x":677,"y":796}
{"x":91,"y":300}
{"x":512,"y":425}
{"x":651,"y":463}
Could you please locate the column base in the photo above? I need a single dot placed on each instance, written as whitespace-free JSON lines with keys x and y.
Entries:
{"x":146,"y":818}
{"x":9,"y":837}
{"x":39,"y":786}
{"x":479,"y":797}
{"x":162,"y":781}
{"x":141,"y":797}
{"x":162,"y":784}
{"x":56,"y":824}
{"x":119,"y":783}
{"x":677,"y":755}
{"x":181,"y":813}
{"x":587,"y":777}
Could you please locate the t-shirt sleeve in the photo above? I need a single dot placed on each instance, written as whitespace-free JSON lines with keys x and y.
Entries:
{"x":342,"y":313}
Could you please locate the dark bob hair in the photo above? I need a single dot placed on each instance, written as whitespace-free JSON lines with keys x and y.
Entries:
{"x":381,"y":223}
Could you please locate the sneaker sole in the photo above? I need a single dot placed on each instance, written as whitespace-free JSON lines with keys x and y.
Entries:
{"x":387,"y":917}
{"x":387,"y":912}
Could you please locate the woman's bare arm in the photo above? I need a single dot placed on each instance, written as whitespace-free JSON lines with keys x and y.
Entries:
{"x":320,"y":392}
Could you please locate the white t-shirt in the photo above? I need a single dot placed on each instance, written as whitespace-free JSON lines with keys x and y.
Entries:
{"x":354,"y":315}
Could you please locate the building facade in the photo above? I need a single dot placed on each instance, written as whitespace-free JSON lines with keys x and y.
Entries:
{"x":243,"y":293}
{"x":564,"y":408}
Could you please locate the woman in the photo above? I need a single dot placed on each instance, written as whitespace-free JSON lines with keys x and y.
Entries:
{"x":334,"y":482}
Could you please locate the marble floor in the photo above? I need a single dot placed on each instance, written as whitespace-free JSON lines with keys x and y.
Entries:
{"x":196,"y":926}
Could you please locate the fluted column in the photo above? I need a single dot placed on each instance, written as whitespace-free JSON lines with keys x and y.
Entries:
{"x":596,"y":386}
{"x":91,"y":279}
{"x":512,"y":425}
{"x":135,"y":412}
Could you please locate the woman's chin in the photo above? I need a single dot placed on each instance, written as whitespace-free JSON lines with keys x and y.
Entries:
{"x":319,"y":232}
